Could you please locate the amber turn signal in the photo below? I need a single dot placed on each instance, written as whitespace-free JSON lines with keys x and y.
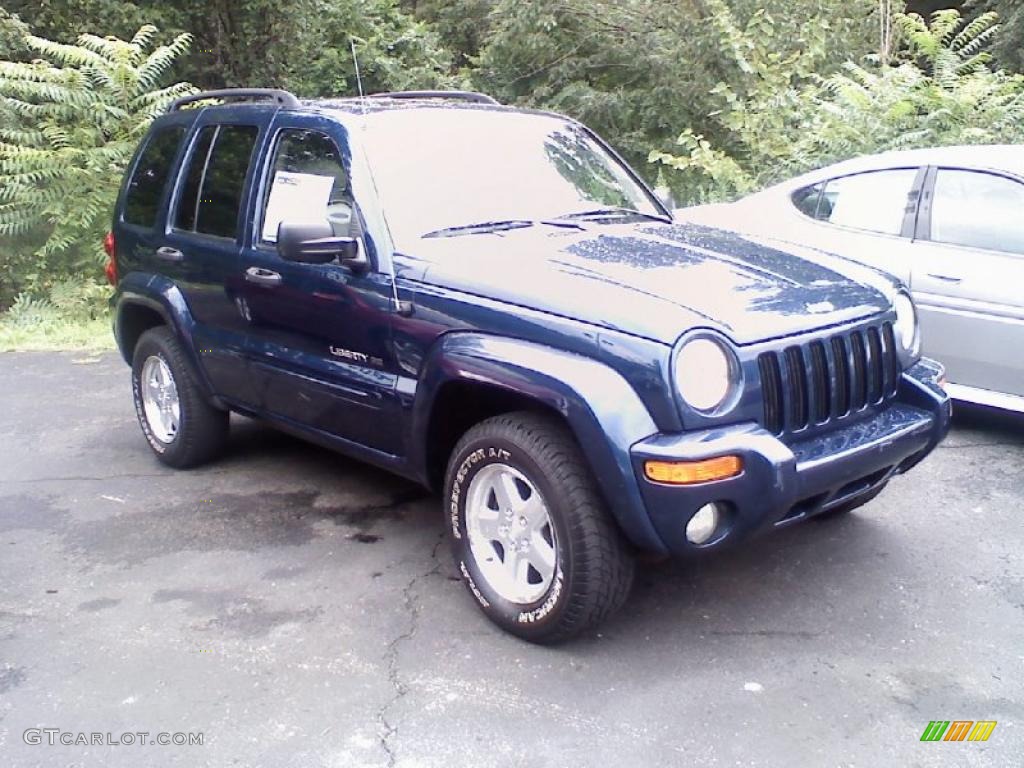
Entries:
{"x":691,"y":472}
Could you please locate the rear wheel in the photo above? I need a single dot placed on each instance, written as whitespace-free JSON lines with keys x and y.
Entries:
{"x":182,"y":429}
{"x":531,"y":535}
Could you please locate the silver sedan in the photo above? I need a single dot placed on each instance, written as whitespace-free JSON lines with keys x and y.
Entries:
{"x":949,"y":222}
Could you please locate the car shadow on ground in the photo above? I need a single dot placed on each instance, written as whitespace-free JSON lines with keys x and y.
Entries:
{"x":754,"y":589}
{"x":253,"y":443}
{"x":998,"y":425}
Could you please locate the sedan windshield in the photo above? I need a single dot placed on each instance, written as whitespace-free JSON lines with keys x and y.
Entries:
{"x":449,"y":173}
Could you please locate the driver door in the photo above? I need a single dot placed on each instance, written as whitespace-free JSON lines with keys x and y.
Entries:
{"x":319,"y":334}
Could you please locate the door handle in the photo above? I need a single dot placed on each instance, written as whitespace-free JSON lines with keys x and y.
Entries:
{"x":946,"y":278}
{"x":169,"y":254}
{"x":263,"y":277}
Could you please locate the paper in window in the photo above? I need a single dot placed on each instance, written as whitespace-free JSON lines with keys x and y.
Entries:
{"x":296,"y":197}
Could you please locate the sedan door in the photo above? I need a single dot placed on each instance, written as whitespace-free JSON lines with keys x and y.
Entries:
{"x":968,"y":279}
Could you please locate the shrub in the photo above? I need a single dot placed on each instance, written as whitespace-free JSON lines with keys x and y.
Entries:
{"x":69,"y":123}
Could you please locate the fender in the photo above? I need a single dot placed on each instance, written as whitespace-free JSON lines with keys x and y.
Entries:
{"x":601,"y":408}
{"x":921,"y":386}
{"x":165,"y":298}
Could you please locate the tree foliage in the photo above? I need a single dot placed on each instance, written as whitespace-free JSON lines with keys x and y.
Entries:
{"x":763,"y":88}
{"x":1008,"y":47}
{"x":70,"y":121}
{"x":941,"y":90}
{"x":461,"y":26}
{"x":636,"y":69}
{"x":303,"y":44}
{"x":394,"y":50}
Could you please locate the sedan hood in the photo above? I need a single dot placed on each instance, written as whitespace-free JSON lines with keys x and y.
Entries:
{"x":654,"y":280}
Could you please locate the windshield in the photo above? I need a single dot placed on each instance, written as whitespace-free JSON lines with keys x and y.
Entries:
{"x":449,"y":171}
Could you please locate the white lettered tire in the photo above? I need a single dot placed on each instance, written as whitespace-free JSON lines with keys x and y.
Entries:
{"x":531,"y":535}
{"x":182,"y":428}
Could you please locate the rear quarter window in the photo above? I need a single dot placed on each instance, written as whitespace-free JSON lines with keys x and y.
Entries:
{"x":146,"y":186}
{"x":806,"y":200}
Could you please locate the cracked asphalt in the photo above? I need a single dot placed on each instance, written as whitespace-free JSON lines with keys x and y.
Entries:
{"x":300,"y":609}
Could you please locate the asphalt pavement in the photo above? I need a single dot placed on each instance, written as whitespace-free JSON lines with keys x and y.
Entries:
{"x":296,"y":608}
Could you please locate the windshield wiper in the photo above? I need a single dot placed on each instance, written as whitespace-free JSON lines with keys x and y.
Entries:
{"x":495,"y":226}
{"x":605,"y":213}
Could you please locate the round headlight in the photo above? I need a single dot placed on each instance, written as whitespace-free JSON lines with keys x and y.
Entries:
{"x":906,"y":324}
{"x":704,"y":374}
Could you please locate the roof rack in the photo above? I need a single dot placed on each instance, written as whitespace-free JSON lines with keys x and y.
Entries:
{"x":470,"y":96}
{"x":276,"y":95}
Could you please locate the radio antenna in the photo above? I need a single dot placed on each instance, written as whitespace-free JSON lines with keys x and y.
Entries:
{"x":359,"y":77}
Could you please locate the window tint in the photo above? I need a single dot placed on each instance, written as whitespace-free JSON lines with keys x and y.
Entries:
{"x":142,"y":201}
{"x":213,"y":188}
{"x":979,"y":210}
{"x":806,"y":200}
{"x":876,"y":202}
{"x":185,"y":218}
{"x":308,"y":182}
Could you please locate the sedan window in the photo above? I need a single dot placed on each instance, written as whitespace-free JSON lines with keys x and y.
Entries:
{"x":978,"y":210}
{"x":806,"y":200}
{"x":875,"y":202}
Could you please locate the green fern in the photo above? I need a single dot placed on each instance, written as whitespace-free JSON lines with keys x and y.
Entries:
{"x":28,"y":311}
{"x":69,"y":123}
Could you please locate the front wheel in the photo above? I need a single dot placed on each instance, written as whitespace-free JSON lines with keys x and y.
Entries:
{"x":531,"y":535}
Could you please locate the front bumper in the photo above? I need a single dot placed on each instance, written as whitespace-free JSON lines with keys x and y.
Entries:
{"x":788,"y":480}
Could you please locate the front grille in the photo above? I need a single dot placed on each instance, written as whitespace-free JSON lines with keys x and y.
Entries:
{"x":814,"y":383}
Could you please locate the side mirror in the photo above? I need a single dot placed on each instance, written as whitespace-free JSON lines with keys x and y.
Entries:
{"x":315,"y":243}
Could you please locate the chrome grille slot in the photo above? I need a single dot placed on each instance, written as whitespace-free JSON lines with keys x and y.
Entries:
{"x":796,"y":386}
{"x":828,"y":379}
{"x":821,"y":388}
{"x":859,"y":363}
{"x":771,"y":386}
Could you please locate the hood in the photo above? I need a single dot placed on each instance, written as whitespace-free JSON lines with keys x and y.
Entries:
{"x":655,"y":280}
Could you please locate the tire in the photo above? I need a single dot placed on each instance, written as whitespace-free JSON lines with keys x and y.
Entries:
{"x":199,"y":431}
{"x":510,"y":458}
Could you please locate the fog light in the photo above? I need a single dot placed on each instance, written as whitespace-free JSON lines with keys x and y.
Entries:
{"x":703,"y":524}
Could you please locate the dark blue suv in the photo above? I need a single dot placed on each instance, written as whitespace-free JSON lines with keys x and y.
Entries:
{"x":490,"y":302}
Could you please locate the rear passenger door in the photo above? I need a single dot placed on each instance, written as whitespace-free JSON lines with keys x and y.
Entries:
{"x":201,"y":245}
{"x":139,"y":226}
{"x":319,"y":333}
{"x":968,"y":277}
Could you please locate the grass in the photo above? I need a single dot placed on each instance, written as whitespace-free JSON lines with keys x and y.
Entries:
{"x":57,"y":333}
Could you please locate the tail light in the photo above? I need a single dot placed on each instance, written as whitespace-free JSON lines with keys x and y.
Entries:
{"x":110,"y":246}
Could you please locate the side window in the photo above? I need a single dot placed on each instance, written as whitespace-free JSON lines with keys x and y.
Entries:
{"x":308,"y":182}
{"x":978,"y":210}
{"x":212,"y":193}
{"x":146,"y":187}
{"x":875,"y":201}
{"x":185,"y":218}
{"x":806,"y":200}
